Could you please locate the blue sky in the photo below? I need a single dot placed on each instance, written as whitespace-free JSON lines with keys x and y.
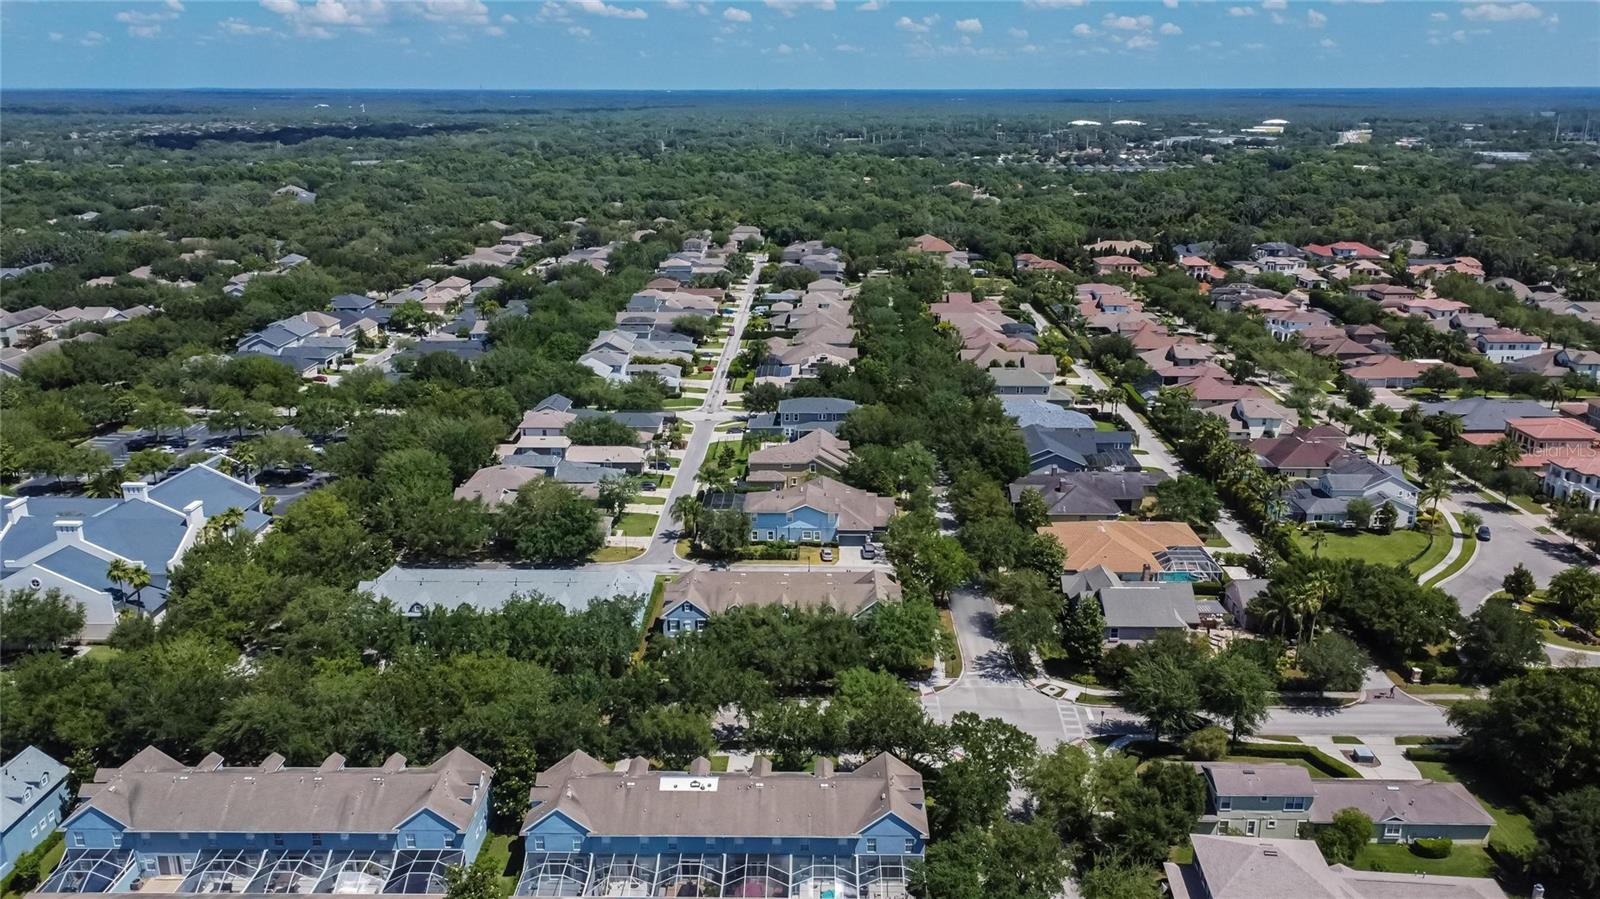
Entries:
{"x":686,"y":44}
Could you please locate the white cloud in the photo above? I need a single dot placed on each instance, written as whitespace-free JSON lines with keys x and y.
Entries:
{"x":241,"y":28}
{"x":495,"y":31}
{"x":1274,"y":4}
{"x":1082,"y":29}
{"x":1169,"y":28}
{"x":871,"y":6}
{"x":92,"y":39}
{"x":316,"y":20}
{"x":788,"y":7}
{"x":1241,"y":10}
{"x":579,"y":32}
{"x":1020,"y":34}
{"x":969,"y":26}
{"x":461,"y":12}
{"x":917,"y":26}
{"x":144,"y":31}
{"x":135,"y":17}
{"x":606,"y":10}
{"x":1502,"y":12}
{"x":1439,"y":16}
{"x":1141,"y":42}
{"x":735,"y":14}
{"x":1170,"y":4}
{"x":1328,"y":43}
{"x":1128,"y":23}
{"x":1315,"y":19}
{"x":57,"y":36}
{"x":848,"y":48}
{"x":175,"y":5}
{"x":1051,"y":4}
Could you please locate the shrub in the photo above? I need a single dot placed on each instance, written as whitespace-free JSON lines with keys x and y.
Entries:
{"x":1206,"y":744}
{"x":1432,"y":847}
{"x":1324,"y":763}
{"x":1344,"y":836}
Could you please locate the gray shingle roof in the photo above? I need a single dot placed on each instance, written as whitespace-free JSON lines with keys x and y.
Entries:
{"x":787,"y":804}
{"x":490,"y":588}
{"x":28,"y":777}
{"x":1150,"y":604}
{"x":848,"y":592}
{"x":153,"y":792}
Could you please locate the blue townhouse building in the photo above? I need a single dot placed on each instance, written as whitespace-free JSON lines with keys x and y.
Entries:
{"x":592,"y":830}
{"x":33,"y":797}
{"x":159,"y":825}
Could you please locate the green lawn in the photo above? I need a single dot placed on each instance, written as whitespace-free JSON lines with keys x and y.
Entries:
{"x":497,"y":853}
{"x":615,"y":553}
{"x":1465,"y":860}
{"x":1265,"y":760}
{"x":1526,"y":504}
{"x":651,"y":500}
{"x":1549,"y":619}
{"x":1383,"y":549}
{"x":1104,"y":426}
{"x":1346,"y":740}
{"x":636,"y":524}
{"x":952,"y":665}
{"x":683,"y":402}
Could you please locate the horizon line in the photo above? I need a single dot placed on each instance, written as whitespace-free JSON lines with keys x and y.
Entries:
{"x":774,"y":90}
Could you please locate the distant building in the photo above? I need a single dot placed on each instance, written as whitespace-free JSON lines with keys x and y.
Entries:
{"x":416,"y":590}
{"x":690,"y":601}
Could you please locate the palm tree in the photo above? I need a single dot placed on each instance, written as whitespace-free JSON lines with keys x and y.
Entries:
{"x":1436,"y":489}
{"x":687,"y":509}
{"x":1307,"y":601}
{"x":128,"y":575}
{"x":1090,"y":395}
{"x":223,"y":523}
{"x":1319,"y":539}
{"x":1450,"y":430}
{"x":1504,"y":453}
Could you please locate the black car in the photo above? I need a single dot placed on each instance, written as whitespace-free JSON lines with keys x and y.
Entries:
{"x":1483,"y":532}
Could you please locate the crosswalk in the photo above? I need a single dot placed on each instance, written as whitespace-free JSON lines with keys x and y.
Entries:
{"x":1073,"y":727}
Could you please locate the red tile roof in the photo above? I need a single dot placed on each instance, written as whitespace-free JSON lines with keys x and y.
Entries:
{"x":1554,"y":429}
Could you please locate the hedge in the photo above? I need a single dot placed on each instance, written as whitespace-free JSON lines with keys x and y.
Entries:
{"x":1312,"y":756}
{"x":1432,"y":847}
{"x":1134,"y":399}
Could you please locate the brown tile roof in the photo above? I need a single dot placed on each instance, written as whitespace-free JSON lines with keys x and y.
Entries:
{"x":847,"y":592}
{"x":1122,"y":546}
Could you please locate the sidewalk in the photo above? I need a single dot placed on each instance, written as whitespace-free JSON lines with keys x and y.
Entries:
{"x":1457,"y":545}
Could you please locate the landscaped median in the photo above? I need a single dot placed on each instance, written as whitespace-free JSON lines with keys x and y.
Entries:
{"x":1417,"y":550}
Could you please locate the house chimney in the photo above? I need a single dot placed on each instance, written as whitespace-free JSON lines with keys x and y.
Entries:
{"x":700,"y":767}
{"x":16,"y":509}
{"x":761,"y":766}
{"x":334,"y":762}
{"x":824,"y":767}
{"x":211,"y":762}
{"x":273,"y":762}
{"x":638,"y":766}
{"x":395,"y":762}
{"x":195,"y":512}
{"x":136,"y":490}
{"x":69,"y":529}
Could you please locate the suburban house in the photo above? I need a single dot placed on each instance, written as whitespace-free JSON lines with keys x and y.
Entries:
{"x":69,"y":543}
{"x":798,"y":416}
{"x":689,"y":602}
{"x":310,"y":339}
{"x":1254,"y":417}
{"x":1575,"y":479}
{"x":1031,"y":262}
{"x":416,"y":590}
{"x":1343,"y":251}
{"x":1227,"y":867}
{"x":1434,"y":308}
{"x":1136,"y":611}
{"x":273,"y":828}
{"x":1088,"y":495}
{"x":1301,"y":453}
{"x":1507,"y":346}
{"x":1257,"y":798}
{"x":1031,"y":412}
{"x":1561,"y":438}
{"x":296,"y":193}
{"x":1555,"y":363}
{"x":496,"y":485}
{"x":1484,"y":415}
{"x":820,"y":510}
{"x":622,"y":459}
{"x":1348,"y":477}
{"x":1135,"y":550}
{"x":1391,"y":371}
{"x":1020,"y":382}
{"x":786,"y":361}
{"x":787,"y":464}
{"x":1078,"y":449}
{"x":1284,"y":325}
{"x":1121,"y":265}
{"x":33,"y":797}
{"x":592,"y":829}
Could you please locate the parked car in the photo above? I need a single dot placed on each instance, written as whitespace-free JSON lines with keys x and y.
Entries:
{"x":1483,"y":532}
{"x":827,"y":554}
{"x":868,"y":551}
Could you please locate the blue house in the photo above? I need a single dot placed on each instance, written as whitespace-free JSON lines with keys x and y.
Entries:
{"x":594,"y":831}
{"x":271,"y":828}
{"x":799,"y":416}
{"x":33,"y":796}
{"x":1078,"y":449}
{"x":820,"y":510}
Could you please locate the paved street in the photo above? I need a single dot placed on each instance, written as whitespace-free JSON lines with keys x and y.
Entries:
{"x":662,"y":552}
